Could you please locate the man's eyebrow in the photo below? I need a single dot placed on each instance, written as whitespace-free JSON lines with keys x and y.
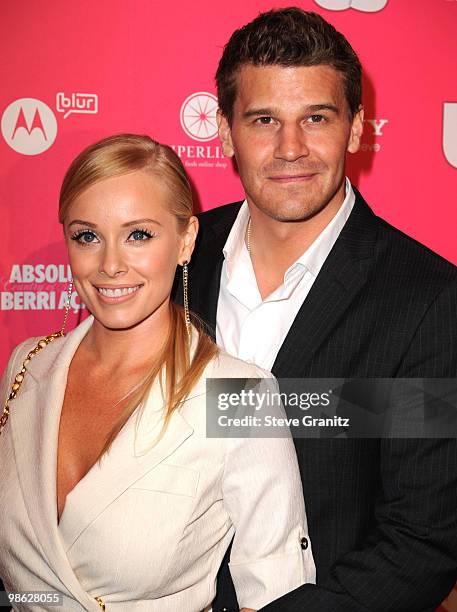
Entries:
{"x":271,"y":112}
{"x":319,"y":107}
{"x":255,"y":112}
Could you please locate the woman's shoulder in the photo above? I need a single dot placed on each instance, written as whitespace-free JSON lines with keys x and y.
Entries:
{"x":224,"y":365}
{"x":15,"y":363}
{"x":51,"y":351}
{"x":21,"y":351}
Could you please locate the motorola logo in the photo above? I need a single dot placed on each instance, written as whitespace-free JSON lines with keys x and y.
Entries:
{"x":29,"y":126}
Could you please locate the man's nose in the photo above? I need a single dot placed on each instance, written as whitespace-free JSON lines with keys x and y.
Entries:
{"x":291,"y":143}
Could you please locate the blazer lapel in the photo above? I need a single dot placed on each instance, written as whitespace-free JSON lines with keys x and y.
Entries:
{"x":204,"y":284}
{"x":35,"y":417}
{"x":135,"y":451}
{"x":340,"y":279}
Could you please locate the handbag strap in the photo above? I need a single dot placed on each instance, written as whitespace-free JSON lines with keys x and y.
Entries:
{"x":18,"y":379}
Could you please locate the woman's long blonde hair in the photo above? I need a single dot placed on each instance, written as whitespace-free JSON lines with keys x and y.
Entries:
{"x":115,"y":156}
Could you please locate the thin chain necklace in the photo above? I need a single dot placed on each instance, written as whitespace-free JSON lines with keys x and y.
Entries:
{"x":248,"y":237}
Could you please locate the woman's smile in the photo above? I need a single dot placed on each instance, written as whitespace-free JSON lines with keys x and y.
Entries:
{"x":114,"y":294}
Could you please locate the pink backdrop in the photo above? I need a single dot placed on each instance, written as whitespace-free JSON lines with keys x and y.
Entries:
{"x":72,"y":73}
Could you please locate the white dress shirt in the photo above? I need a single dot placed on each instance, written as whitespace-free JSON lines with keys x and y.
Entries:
{"x":253,"y":329}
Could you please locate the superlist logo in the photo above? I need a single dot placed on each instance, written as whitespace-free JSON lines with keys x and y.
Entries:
{"x":366,"y":6}
{"x":29,"y":125}
{"x":198,"y":116}
{"x":198,"y":122}
{"x":374,"y":128}
{"x":450,"y":132}
{"x":33,"y":287}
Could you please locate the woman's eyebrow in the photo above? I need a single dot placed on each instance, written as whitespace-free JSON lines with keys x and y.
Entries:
{"x":128,"y":224}
{"x":80,"y":222}
{"x":138,"y":221}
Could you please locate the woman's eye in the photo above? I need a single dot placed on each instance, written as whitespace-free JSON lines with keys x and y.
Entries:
{"x":85,"y":237}
{"x":140,"y":235}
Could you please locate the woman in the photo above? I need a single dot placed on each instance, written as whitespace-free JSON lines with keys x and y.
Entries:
{"x":111,"y":494}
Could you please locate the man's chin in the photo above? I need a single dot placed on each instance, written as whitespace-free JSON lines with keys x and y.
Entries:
{"x":293,"y":212}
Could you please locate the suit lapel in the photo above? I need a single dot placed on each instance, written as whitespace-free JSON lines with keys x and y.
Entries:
{"x":207,"y":261}
{"x":339,"y":281}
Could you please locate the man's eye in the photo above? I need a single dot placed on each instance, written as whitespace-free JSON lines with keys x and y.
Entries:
{"x":140,"y":235}
{"x":316,"y":118}
{"x":265,"y":120}
{"x":85,"y":237}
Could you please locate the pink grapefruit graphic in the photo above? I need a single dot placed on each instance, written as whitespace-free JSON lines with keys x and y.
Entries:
{"x":198,"y":116}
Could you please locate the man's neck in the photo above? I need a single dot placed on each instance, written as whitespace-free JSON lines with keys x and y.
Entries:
{"x":276,"y":245}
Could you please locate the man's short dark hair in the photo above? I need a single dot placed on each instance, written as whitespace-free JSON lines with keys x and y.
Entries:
{"x":287,"y":37}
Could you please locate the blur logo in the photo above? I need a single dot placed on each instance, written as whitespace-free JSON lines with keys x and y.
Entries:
{"x":450,"y":132}
{"x":198,"y":116}
{"x":77,"y":103}
{"x":367,"y":6}
{"x":29,"y":126}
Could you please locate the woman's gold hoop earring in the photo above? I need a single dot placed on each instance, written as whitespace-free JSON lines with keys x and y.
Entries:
{"x":67,"y":308}
{"x":185,"y":288}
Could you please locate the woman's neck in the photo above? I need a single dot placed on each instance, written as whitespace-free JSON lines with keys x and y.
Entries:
{"x":127,"y":349}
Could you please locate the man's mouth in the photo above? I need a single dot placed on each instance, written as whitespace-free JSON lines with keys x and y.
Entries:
{"x":291,"y":178}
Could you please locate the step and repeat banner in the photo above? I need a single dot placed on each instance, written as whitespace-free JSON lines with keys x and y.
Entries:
{"x":72,"y":73}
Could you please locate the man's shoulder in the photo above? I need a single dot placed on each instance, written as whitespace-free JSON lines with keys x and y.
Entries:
{"x":404,"y":253}
{"x":225,"y":213}
{"x":399,"y":254}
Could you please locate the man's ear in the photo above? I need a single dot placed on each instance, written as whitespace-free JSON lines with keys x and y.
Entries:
{"x":356,"y":131}
{"x":188,"y":240}
{"x":225,"y":134}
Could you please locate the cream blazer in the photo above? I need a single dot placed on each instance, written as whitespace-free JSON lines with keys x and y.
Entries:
{"x":146,"y":529}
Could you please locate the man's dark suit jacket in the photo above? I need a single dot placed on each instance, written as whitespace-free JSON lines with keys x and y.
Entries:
{"x":382,"y":513}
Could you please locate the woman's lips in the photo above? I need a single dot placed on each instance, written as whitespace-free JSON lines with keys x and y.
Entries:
{"x":117,"y":294}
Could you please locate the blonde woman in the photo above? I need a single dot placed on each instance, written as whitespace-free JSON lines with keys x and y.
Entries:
{"x":111,"y":495}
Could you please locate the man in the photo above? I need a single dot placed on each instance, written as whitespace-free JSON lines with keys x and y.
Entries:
{"x":303,"y":279}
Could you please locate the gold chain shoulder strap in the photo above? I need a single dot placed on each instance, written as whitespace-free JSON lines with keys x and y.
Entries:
{"x":18,"y":379}
{"x":20,"y":375}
